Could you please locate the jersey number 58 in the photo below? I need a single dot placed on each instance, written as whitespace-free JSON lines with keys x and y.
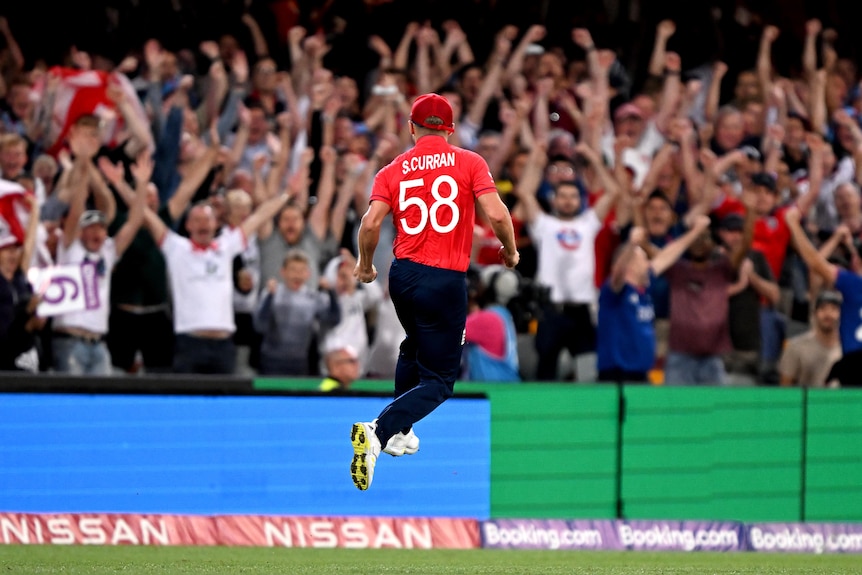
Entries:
{"x":424,"y":213}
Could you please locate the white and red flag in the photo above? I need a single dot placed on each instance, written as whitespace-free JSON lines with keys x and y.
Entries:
{"x":83,"y":92}
{"x":14,"y":213}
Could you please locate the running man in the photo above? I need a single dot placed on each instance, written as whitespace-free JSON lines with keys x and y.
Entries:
{"x":432,"y":191}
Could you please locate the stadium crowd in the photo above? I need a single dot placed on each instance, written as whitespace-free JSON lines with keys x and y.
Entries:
{"x":686,"y":220}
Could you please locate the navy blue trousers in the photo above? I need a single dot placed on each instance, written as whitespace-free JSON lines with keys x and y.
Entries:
{"x":431,"y":304}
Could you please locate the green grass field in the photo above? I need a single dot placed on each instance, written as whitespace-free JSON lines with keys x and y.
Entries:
{"x":34,"y":559}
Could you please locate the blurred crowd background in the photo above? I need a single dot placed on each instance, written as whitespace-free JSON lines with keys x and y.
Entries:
{"x":206,"y":163}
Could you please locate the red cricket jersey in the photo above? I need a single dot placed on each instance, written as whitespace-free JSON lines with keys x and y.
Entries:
{"x":772,"y":236}
{"x":432,"y":189}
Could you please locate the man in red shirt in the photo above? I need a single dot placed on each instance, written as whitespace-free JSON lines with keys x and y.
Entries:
{"x":431,"y":190}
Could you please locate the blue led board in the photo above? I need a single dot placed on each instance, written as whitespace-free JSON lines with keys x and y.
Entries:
{"x":233,"y":455}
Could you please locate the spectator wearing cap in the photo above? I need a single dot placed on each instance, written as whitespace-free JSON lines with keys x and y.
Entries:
{"x":848,"y":282}
{"x":341,"y":366}
{"x":771,"y":234}
{"x":699,"y":307}
{"x":633,"y":122}
{"x":754,"y":293}
{"x":630,"y":121}
{"x":490,"y":343}
{"x":809,"y":356}
{"x":78,"y":344}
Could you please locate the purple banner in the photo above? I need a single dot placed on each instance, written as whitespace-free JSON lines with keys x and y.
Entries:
{"x":680,"y":535}
{"x":89,"y":279}
{"x":672,"y":536}
{"x":805,"y":537}
{"x":547,"y":534}
{"x":613,"y":535}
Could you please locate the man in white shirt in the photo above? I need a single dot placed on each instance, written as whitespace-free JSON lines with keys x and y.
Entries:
{"x":565,"y":242}
{"x":200,"y":269}
{"x":78,"y":342}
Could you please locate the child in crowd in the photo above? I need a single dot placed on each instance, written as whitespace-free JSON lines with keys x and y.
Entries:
{"x":290,"y":315}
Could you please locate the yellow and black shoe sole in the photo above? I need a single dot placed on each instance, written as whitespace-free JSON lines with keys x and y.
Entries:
{"x":359,"y":467}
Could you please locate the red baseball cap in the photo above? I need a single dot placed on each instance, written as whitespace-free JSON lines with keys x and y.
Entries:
{"x":628,"y":110}
{"x":429,"y":105}
{"x":9,"y":239}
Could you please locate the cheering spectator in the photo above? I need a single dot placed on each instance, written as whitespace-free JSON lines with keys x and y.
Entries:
{"x":293,"y":230}
{"x":200,"y":269}
{"x":699,"y":307}
{"x":754,"y":292}
{"x":359,"y":305}
{"x":18,"y":320}
{"x":789,"y":130}
{"x":290,"y":315}
{"x":246,"y":272}
{"x":565,"y":243}
{"x":849,"y":283}
{"x":79,"y":346}
{"x":626,"y":331}
{"x":490,"y":345}
{"x":809,"y":357}
{"x":13,"y":156}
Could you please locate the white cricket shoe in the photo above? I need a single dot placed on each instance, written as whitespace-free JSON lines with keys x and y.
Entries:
{"x":366,"y":449}
{"x":402,"y":444}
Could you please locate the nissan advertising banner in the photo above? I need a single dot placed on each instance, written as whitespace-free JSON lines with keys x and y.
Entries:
{"x":238,"y":530}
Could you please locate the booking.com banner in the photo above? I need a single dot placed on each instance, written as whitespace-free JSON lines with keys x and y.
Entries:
{"x":672,"y":536}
